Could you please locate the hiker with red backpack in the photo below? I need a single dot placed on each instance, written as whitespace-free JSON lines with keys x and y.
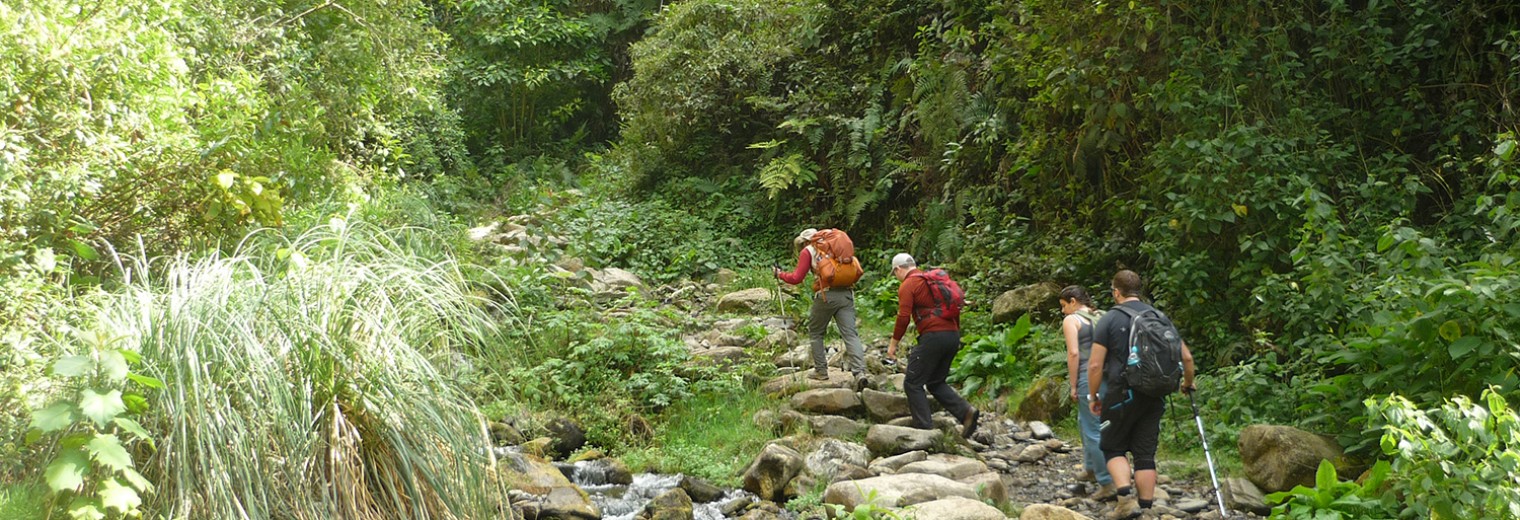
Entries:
{"x":933,"y":301}
{"x":1138,"y":358}
{"x":830,"y":256}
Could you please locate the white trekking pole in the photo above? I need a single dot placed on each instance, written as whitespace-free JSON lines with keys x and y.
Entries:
{"x":1223,"y":512}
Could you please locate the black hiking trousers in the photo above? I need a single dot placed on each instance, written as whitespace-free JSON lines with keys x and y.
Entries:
{"x":928,"y":366}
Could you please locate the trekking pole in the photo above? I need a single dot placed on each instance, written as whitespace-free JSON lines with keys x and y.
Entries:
{"x":1223,"y":512}
{"x":780,"y":306}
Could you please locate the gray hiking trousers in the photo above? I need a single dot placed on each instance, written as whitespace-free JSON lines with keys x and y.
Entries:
{"x":838,"y":305}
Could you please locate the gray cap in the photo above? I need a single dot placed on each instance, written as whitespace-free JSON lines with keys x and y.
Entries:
{"x":903,"y":260}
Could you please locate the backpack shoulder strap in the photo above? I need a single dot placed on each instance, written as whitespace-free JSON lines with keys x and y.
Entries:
{"x":1127,"y":311}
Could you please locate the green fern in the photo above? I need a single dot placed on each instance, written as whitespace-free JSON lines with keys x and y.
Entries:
{"x":785,"y":172}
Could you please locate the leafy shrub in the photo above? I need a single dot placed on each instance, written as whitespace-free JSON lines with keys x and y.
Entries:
{"x":1456,"y":461}
{"x":1332,"y":499}
{"x":1007,"y":357}
{"x":93,"y":466}
{"x":653,"y":238}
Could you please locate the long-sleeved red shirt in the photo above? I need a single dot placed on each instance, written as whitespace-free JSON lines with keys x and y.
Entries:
{"x":914,"y":294}
{"x":804,"y":264}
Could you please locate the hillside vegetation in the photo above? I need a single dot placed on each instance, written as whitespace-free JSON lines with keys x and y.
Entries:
{"x":242,"y":223}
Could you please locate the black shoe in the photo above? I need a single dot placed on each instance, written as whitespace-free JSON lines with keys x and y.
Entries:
{"x":861,"y":382}
{"x":968,"y":426}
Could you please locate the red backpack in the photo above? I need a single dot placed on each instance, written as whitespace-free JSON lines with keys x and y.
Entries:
{"x":834,"y":260}
{"x":947,"y":295}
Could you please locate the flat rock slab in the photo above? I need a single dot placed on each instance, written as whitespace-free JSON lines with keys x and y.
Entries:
{"x":953,"y":467}
{"x":827,"y":401}
{"x":884,"y":406}
{"x":896,"y":490}
{"x":792,"y":383}
{"x":893,"y":463}
{"x":883,"y":439}
{"x":953,"y":508}
{"x":835,"y":427}
{"x":1040,"y":430}
{"x":1050,"y":512}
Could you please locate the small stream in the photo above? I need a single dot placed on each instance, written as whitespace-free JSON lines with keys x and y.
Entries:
{"x":624,"y":502}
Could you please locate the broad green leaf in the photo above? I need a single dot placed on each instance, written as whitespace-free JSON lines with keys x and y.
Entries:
{"x":135,"y":402}
{"x":83,"y":508}
{"x":1462,"y":347}
{"x":107,"y":450}
{"x":132,"y":427}
{"x":113,"y":495}
{"x":1450,"y":331}
{"x":84,"y":251}
{"x":67,"y":471}
{"x":225,"y":179}
{"x":113,"y":365}
{"x":73,"y":366}
{"x":54,"y":418}
{"x":147,"y":381}
{"x":137,"y":480}
{"x":132,"y":357}
{"x":1505,"y":149}
{"x":1325,"y":477}
{"x":101,"y":407}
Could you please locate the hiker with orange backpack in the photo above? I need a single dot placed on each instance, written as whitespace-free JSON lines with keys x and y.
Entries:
{"x":830,"y":256}
{"x":934,"y":302}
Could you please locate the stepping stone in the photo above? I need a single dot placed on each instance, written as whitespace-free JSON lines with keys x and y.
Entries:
{"x":1040,"y":430}
{"x":1193,"y":505}
{"x":892,"y":440}
{"x":827,"y":401}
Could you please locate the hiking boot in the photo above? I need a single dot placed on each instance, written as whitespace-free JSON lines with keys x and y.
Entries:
{"x":968,"y":426}
{"x":1128,"y":507}
{"x":1087,"y":476}
{"x":861,"y":382}
{"x":1104,"y":493}
{"x":818,"y":376}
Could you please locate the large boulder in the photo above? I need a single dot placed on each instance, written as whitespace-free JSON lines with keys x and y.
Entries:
{"x":953,"y":467}
{"x":884,"y":406}
{"x":989,"y":486}
{"x":895,"y":490}
{"x":553,"y":496}
{"x":1009,"y":305}
{"x":670,"y":505}
{"x":751,"y":301}
{"x":885,"y":439}
{"x":827,"y":401}
{"x":616,"y":278}
{"x":773,"y":468}
{"x":1241,"y":495}
{"x":1276,"y":458}
{"x":567,"y":436}
{"x":1050,"y":512}
{"x":835,"y":427}
{"x":953,"y":508}
{"x":1048,"y":399}
{"x":826,"y":461}
{"x":700,"y":491}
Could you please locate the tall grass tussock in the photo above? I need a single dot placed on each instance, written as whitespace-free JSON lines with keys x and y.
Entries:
{"x":315,"y":382}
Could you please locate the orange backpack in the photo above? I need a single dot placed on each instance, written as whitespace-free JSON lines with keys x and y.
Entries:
{"x":834,"y":260}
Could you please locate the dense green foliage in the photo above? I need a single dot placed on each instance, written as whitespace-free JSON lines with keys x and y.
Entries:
{"x":1323,"y":194}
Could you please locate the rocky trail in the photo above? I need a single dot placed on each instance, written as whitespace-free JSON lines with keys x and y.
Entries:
{"x":828,"y":433}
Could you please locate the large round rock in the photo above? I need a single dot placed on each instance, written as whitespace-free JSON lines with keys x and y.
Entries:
{"x":773,"y":468}
{"x":1277,"y":458}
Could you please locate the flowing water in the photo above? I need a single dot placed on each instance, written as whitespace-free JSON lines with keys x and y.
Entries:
{"x":620,"y":502}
